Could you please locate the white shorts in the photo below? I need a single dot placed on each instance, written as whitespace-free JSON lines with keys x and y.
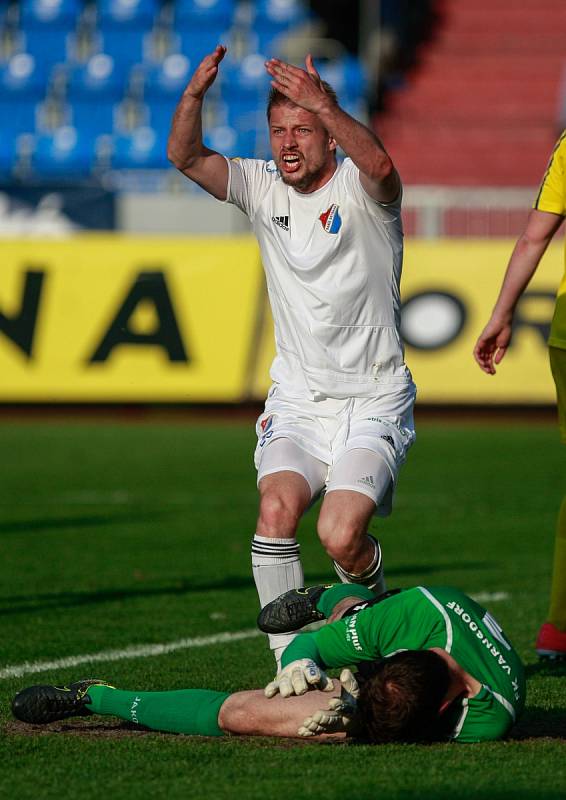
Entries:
{"x":357,"y":444}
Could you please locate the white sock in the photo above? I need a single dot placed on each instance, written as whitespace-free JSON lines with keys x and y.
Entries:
{"x":372,"y":576}
{"x":276,"y":566}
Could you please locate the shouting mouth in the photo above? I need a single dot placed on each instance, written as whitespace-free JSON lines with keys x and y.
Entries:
{"x":290,"y":162}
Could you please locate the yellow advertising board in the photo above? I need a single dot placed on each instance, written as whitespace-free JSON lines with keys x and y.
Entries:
{"x":449,"y":288}
{"x":469,"y":273}
{"x":111,"y":318}
{"x":120,"y":319}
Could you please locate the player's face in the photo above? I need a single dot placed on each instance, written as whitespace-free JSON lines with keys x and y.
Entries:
{"x":302,"y":149}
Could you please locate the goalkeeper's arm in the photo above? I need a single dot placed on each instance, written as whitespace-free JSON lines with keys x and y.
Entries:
{"x":303,"y":646}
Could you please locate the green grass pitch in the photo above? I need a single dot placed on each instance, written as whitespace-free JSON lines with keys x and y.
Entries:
{"x":115,"y":534}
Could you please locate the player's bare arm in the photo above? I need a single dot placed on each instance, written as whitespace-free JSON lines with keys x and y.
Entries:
{"x":304,"y":87}
{"x":185,"y":148}
{"x":252,"y":714}
{"x":493,"y":341}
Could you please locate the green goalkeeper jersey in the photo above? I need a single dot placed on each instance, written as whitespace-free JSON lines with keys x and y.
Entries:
{"x":421,"y":618}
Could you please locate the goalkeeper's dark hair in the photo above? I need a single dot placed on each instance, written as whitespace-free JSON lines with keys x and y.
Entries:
{"x":401,"y":699}
{"x":277,"y":98}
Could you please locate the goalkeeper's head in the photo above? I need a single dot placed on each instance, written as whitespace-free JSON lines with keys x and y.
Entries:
{"x":401,"y":700}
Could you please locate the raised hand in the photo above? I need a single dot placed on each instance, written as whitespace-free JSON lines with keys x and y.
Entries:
{"x":205,"y":74}
{"x":303,"y":87}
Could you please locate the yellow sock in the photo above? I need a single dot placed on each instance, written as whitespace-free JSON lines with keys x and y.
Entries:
{"x":557,"y":611}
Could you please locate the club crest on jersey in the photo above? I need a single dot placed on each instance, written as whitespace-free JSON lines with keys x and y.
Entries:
{"x":331,"y":219}
{"x":266,"y":423}
{"x":282,"y":221}
{"x":266,"y":426}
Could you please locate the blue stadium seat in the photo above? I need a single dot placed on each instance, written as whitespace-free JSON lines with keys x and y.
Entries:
{"x":96,"y":118}
{"x":346,"y":76}
{"x":21,"y":78}
{"x":247,"y":82}
{"x":8,"y":152}
{"x":268,"y":40}
{"x":222,"y":138}
{"x":160,"y":115}
{"x":166,"y":81}
{"x":262,"y":144}
{"x":246,"y":114}
{"x":231,"y":142}
{"x":135,"y":14}
{"x":127,"y":47}
{"x":279,"y":14}
{"x":66,"y":152}
{"x":204,"y":14}
{"x":101,"y":78}
{"x":195,"y":44}
{"x":143,"y":148}
{"x":355,"y":106}
{"x":18,"y":116}
{"x":274,"y":21}
{"x":45,"y":14}
{"x":241,"y":41}
{"x":48,"y":47}
{"x":249,"y":145}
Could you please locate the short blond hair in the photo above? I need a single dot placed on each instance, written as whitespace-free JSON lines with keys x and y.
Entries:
{"x":277,"y":98}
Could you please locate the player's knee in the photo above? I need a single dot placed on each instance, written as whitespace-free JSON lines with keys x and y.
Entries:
{"x":346,"y":555}
{"x":224,"y":719}
{"x":234,"y":713}
{"x":340,"y":538}
{"x":277,"y":517}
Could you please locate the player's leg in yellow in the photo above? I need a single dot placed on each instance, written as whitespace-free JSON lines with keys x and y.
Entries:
{"x":551,"y":641}
{"x":557,"y":612}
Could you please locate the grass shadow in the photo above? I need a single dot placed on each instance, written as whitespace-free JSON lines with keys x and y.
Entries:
{"x":44,"y":601}
{"x":430,"y":569}
{"x":541,"y":723}
{"x":58,"y":524}
{"x":547,"y":669}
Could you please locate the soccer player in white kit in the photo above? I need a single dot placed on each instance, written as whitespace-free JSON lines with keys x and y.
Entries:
{"x":338,"y":419}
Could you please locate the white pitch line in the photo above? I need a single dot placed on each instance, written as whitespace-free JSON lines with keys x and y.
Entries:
{"x":148,"y":650}
{"x":490,"y":597}
{"x":135,"y":651}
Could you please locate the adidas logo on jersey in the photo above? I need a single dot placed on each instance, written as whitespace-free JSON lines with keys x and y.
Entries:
{"x":367,"y":481}
{"x":283,"y":222}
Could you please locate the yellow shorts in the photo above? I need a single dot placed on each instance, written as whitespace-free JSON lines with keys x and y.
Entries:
{"x":558,"y":366}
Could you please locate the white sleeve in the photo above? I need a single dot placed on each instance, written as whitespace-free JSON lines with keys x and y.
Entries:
{"x":249,"y":180}
{"x":388,"y":212}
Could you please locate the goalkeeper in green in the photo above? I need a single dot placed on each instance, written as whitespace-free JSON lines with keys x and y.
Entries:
{"x":433,"y":665}
{"x":418,"y":629}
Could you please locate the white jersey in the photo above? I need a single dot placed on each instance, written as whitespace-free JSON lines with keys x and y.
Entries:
{"x":332,"y":260}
